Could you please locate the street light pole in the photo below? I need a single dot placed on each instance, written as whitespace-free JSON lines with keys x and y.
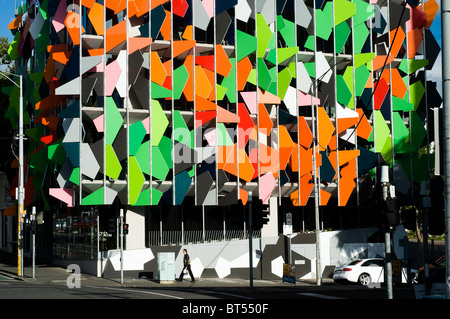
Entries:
{"x":20,"y":189}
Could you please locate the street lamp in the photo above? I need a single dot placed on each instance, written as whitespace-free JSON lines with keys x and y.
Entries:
{"x":20,"y":195}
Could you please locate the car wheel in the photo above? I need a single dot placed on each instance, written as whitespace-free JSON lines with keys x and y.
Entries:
{"x":364,"y":279}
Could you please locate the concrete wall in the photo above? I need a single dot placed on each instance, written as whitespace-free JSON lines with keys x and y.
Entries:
{"x":231,"y":258}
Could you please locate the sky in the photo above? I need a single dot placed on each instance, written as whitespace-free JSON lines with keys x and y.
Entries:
{"x":7,"y":15}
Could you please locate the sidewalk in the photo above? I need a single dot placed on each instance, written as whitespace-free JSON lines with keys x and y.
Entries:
{"x":54,"y":275}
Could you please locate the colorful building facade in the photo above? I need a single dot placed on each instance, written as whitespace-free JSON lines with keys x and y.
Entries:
{"x":134,"y":103}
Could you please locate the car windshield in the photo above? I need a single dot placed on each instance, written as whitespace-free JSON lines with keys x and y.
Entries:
{"x":354,"y":262}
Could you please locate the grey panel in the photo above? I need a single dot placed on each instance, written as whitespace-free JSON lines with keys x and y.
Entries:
{"x":201,"y":19}
{"x":204,"y":184}
{"x":302,"y":16}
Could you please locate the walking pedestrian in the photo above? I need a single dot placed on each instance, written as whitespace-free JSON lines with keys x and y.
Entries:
{"x":186,"y":267}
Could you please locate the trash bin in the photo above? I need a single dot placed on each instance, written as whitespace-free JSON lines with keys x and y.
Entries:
{"x":166,"y":267}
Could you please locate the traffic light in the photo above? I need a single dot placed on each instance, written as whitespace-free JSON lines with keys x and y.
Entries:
{"x":125,"y":229}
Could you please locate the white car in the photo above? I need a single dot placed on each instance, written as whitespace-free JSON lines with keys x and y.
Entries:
{"x":364,"y":271}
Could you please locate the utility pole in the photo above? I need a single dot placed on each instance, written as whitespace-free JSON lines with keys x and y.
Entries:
{"x":121,"y":246}
{"x":445,"y":25}
{"x":33,"y":230}
{"x":250,"y":238}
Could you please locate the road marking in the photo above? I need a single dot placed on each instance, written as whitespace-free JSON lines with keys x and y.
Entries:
{"x":139,"y":291}
{"x":311,"y":294}
{"x":222,"y":293}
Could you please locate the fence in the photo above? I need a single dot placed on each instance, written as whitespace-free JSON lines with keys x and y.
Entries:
{"x":177,"y":237}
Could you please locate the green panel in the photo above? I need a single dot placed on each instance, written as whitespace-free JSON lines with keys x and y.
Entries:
{"x":348,"y":77}
{"x":156,"y":196}
{"x":342,"y":33}
{"x":160,"y":169}
{"x":382,"y":138}
{"x":229,"y":82}
{"x":160,"y":92}
{"x":284,"y":79}
{"x":75,"y":176}
{"x":180,"y":78}
{"x":288,"y":32}
{"x":223,"y":138}
{"x":343,"y":10}
{"x":144,"y":198}
{"x":113,"y":120}
{"x":38,"y":160}
{"x":416,"y":92}
{"x":165,"y":146}
{"x":344,"y":95}
{"x":410,"y":66}
{"x":264,"y":77}
{"x":264,"y":35}
{"x":401,"y":134}
{"x":399,"y":104}
{"x":181,"y":131}
{"x":182,"y":184}
{"x":95,"y":198}
{"x":285,"y":53}
{"x":159,"y":122}
{"x":361,"y":59}
{"x":136,"y":136}
{"x":56,"y":152}
{"x":362,"y":75}
{"x":362,"y":33}
{"x":418,"y":132}
{"x":135,"y":180}
{"x":112,"y":164}
{"x":245,"y":44}
{"x":364,"y":11}
{"x":309,"y":43}
{"x":324,"y":21}
{"x":143,"y":157}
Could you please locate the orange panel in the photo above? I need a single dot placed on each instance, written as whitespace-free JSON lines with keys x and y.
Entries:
{"x":244,"y":67}
{"x":188,"y":90}
{"x":398,"y":87}
{"x":138,"y":43}
{"x":294,"y":198}
{"x":10,"y":211}
{"x":346,"y":123}
{"x":59,"y":53}
{"x":293,"y":160}
{"x":211,"y":78}
{"x":225,"y":116}
{"x":364,"y":129}
{"x":267,"y":97}
{"x":346,"y":156}
{"x":349,"y":170}
{"x":222,"y":62}
{"x":180,"y":47}
{"x":158,"y":73}
{"x":286,"y":146}
{"x":155,"y":3}
{"x":96,"y":17}
{"x":95,"y":52}
{"x":243,"y":196}
{"x":431,"y":8}
{"x":326,"y":128}
{"x":49,"y":70}
{"x":116,"y":5}
{"x":306,"y":186}
{"x":305,"y":136}
{"x":15,"y":23}
{"x":203,"y":86}
{"x":324,"y":197}
{"x":223,"y":152}
{"x":230,"y":165}
{"x":264,"y":120}
{"x":268,"y":160}
{"x":398,"y":38}
{"x":72,"y":24}
{"x":116,"y":35}
{"x":188,"y":33}
{"x":246,"y":169}
{"x":46,"y":103}
{"x":166,"y":27}
{"x":415,"y":38}
{"x":202,"y":104}
{"x":306,"y":160}
{"x":379,"y":60}
{"x":87,"y":3}
{"x":141,"y":7}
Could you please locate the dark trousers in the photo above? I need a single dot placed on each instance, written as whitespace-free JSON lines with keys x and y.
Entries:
{"x":188,"y":267}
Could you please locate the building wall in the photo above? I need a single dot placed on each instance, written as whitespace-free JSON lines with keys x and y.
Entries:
{"x":230,"y":259}
{"x":140,"y":101}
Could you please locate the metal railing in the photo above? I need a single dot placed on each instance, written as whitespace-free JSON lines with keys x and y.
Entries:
{"x":177,"y":237}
